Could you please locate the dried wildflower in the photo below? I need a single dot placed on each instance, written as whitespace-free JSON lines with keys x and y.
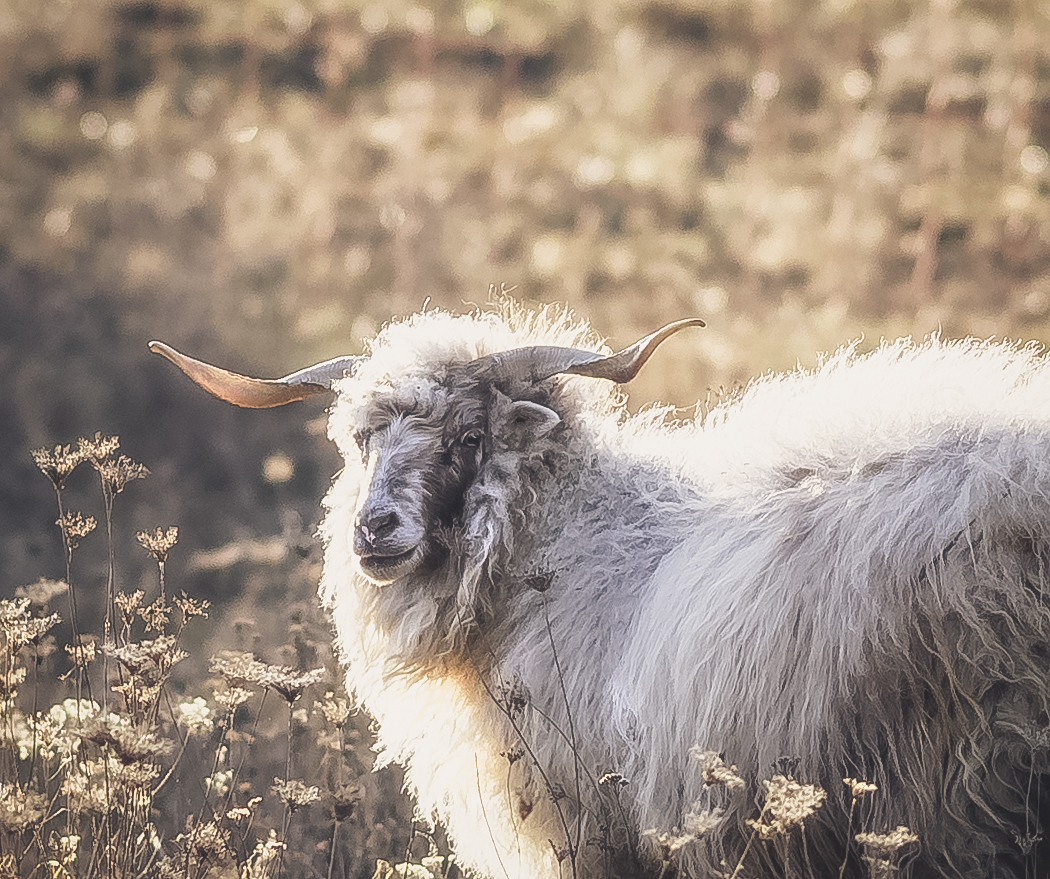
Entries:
{"x":667,"y":844}
{"x":143,"y":657}
{"x":290,"y":683}
{"x":294,"y":794}
{"x":336,"y":709}
{"x":788,"y":804}
{"x":613,"y":779}
{"x":264,"y":858}
{"x":20,"y":809}
{"x":19,"y":627}
{"x":196,"y":716}
{"x":714,"y":768}
{"x":74,"y":527}
{"x":206,"y":840}
{"x":138,"y":696}
{"x":239,"y":669}
{"x":859,"y":789}
{"x":42,"y":592}
{"x":703,"y":821}
{"x":159,"y":542}
{"x":231,"y":697}
{"x":117,"y":473}
{"x":155,"y":615}
{"x":128,"y":744}
{"x":56,"y":465}
{"x":191,"y":607}
{"x":129,"y":602}
{"x":97,"y":450}
{"x":10,"y":683}
{"x":886,"y":845}
{"x":82,"y":653}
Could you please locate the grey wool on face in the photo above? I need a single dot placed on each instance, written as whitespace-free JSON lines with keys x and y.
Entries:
{"x":560,"y":614}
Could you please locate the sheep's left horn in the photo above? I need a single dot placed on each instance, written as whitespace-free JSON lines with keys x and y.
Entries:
{"x":540,"y":362}
{"x":257,"y":393}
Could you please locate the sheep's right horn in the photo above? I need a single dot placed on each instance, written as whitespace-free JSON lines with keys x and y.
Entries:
{"x":540,"y":362}
{"x":257,"y":393}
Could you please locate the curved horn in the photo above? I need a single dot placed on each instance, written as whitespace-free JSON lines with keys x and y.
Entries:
{"x":257,"y":393}
{"x":534,"y":364}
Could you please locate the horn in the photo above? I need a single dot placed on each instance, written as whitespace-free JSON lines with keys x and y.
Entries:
{"x":534,"y":364}
{"x":257,"y":393}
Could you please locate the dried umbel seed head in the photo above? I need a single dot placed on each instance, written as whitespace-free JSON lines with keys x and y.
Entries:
{"x":159,"y":542}
{"x":98,"y":450}
{"x":667,"y":843}
{"x":57,"y":464}
{"x":74,"y":527}
{"x":714,"y":768}
{"x":19,"y":627}
{"x":239,"y":669}
{"x":336,"y":709}
{"x":82,"y":653}
{"x":129,"y":602}
{"x":290,"y":683}
{"x":788,"y":804}
{"x":155,"y":615}
{"x":885,"y":846}
{"x":191,"y":607}
{"x":231,"y":697}
{"x":859,"y":789}
{"x":117,"y":473}
{"x":294,"y":794}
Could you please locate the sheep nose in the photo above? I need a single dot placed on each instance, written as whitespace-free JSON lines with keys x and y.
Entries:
{"x":374,"y":527}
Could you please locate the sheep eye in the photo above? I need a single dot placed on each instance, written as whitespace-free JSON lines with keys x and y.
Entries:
{"x":471,"y":439}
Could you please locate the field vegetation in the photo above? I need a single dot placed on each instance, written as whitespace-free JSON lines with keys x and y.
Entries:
{"x":263,"y":183}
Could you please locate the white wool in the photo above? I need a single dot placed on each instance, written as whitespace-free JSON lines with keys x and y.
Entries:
{"x":845,"y":565}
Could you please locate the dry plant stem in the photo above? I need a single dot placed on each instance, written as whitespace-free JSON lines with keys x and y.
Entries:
{"x":244,"y":753}
{"x":485,"y":814}
{"x":510,"y":810}
{"x":183,"y":742}
{"x":287,"y":805}
{"x":331,"y":853}
{"x":740,"y":864}
{"x":539,"y":768}
{"x":575,"y":846}
{"x":849,"y":835}
{"x":408,"y":845}
{"x":73,"y":619}
{"x":339,"y":781}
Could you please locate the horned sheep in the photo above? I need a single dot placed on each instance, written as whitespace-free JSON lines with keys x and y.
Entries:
{"x":556,"y":611}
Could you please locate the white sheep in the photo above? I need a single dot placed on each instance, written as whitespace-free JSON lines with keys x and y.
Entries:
{"x":547,"y":603}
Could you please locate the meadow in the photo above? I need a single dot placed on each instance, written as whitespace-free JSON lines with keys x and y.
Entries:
{"x":265,"y":183}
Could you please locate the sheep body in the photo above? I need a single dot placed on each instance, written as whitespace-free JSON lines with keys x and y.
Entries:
{"x":847,"y":566}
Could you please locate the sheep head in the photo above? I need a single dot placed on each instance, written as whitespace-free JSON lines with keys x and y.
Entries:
{"x":423,"y":441}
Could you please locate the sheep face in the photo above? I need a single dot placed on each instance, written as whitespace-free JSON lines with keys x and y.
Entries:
{"x":420,"y":454}
{"x":418,"y":460}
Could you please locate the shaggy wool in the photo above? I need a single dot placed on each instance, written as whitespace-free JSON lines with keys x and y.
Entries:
{"x":839,"y":573}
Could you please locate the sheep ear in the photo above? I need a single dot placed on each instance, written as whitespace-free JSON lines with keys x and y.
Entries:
{"x":524,"y":423}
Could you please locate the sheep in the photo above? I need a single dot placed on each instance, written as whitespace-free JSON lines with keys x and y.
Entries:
{"x":559,"y":613}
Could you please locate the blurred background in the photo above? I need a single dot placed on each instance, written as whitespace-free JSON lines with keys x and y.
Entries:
{"x":264,"y":183}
